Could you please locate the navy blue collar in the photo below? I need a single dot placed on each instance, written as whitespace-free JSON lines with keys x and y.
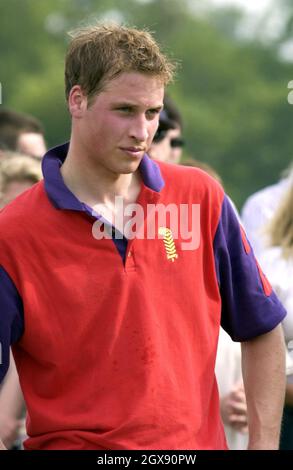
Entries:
{"x":62,"y":198}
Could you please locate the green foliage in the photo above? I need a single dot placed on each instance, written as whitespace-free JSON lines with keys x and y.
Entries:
{"x":233,"y":95}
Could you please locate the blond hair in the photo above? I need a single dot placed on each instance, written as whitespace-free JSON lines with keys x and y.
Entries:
{"x":18,"y":167}
{"x":100,"y":53}
{"x":280,"y":229}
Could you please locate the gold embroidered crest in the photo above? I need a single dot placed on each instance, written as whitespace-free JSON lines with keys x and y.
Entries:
{"x":169,"y":243}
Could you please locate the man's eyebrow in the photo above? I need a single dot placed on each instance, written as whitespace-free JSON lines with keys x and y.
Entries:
{"x":157,"y":108}
{"x":124,"y":103}
{"x":133,"y":105}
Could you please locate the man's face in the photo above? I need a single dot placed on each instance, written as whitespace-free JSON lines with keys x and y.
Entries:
{"x":117,"y":129}
{"x":31,"y":143}
{"x":163,"y":150}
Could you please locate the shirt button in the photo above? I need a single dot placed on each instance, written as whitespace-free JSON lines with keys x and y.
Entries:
{"x":129,"y":254}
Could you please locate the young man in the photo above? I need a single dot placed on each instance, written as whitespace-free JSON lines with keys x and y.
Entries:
{"x":115,"y":336}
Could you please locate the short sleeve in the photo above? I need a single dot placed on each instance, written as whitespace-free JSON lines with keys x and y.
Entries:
{"x":249,"y":305}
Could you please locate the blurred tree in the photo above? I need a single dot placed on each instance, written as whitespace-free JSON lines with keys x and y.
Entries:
{"x":232,"y":93}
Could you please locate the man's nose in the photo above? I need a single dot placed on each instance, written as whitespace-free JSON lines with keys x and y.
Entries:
{"x":140,"y":129}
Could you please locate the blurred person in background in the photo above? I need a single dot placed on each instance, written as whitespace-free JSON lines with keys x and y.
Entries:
{"x":277,"y":262}
{"x":260,"y":208}
{"x":21,"y":133}
{"x":17,"y":173}
{"x":168,"y":143}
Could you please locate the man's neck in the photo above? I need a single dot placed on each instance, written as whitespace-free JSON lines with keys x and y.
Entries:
{"x":98,"y":186}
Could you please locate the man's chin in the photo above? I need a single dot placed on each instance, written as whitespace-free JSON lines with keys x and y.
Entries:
{"x":131,"y":168}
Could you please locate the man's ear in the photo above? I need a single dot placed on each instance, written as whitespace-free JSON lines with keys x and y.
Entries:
{"x":77,"y":102}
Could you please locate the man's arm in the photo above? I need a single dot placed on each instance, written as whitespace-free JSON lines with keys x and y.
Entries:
{"x":11,"y":309}
{"x":11,"y":406}
{"x":263,"y":368}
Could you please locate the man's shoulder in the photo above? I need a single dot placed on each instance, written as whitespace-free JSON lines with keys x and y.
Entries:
{"x":21,"y":209}
{"x":193,"y":186}
{"x":189,"y":175}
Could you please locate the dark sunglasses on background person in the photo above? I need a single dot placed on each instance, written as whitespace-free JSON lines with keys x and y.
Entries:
{"x":174,"y":142}
{"x":177,"y":142}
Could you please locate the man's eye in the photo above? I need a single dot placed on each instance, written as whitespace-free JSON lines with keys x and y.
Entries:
{"x":125,"y":109}
{"x":151,"y":113}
